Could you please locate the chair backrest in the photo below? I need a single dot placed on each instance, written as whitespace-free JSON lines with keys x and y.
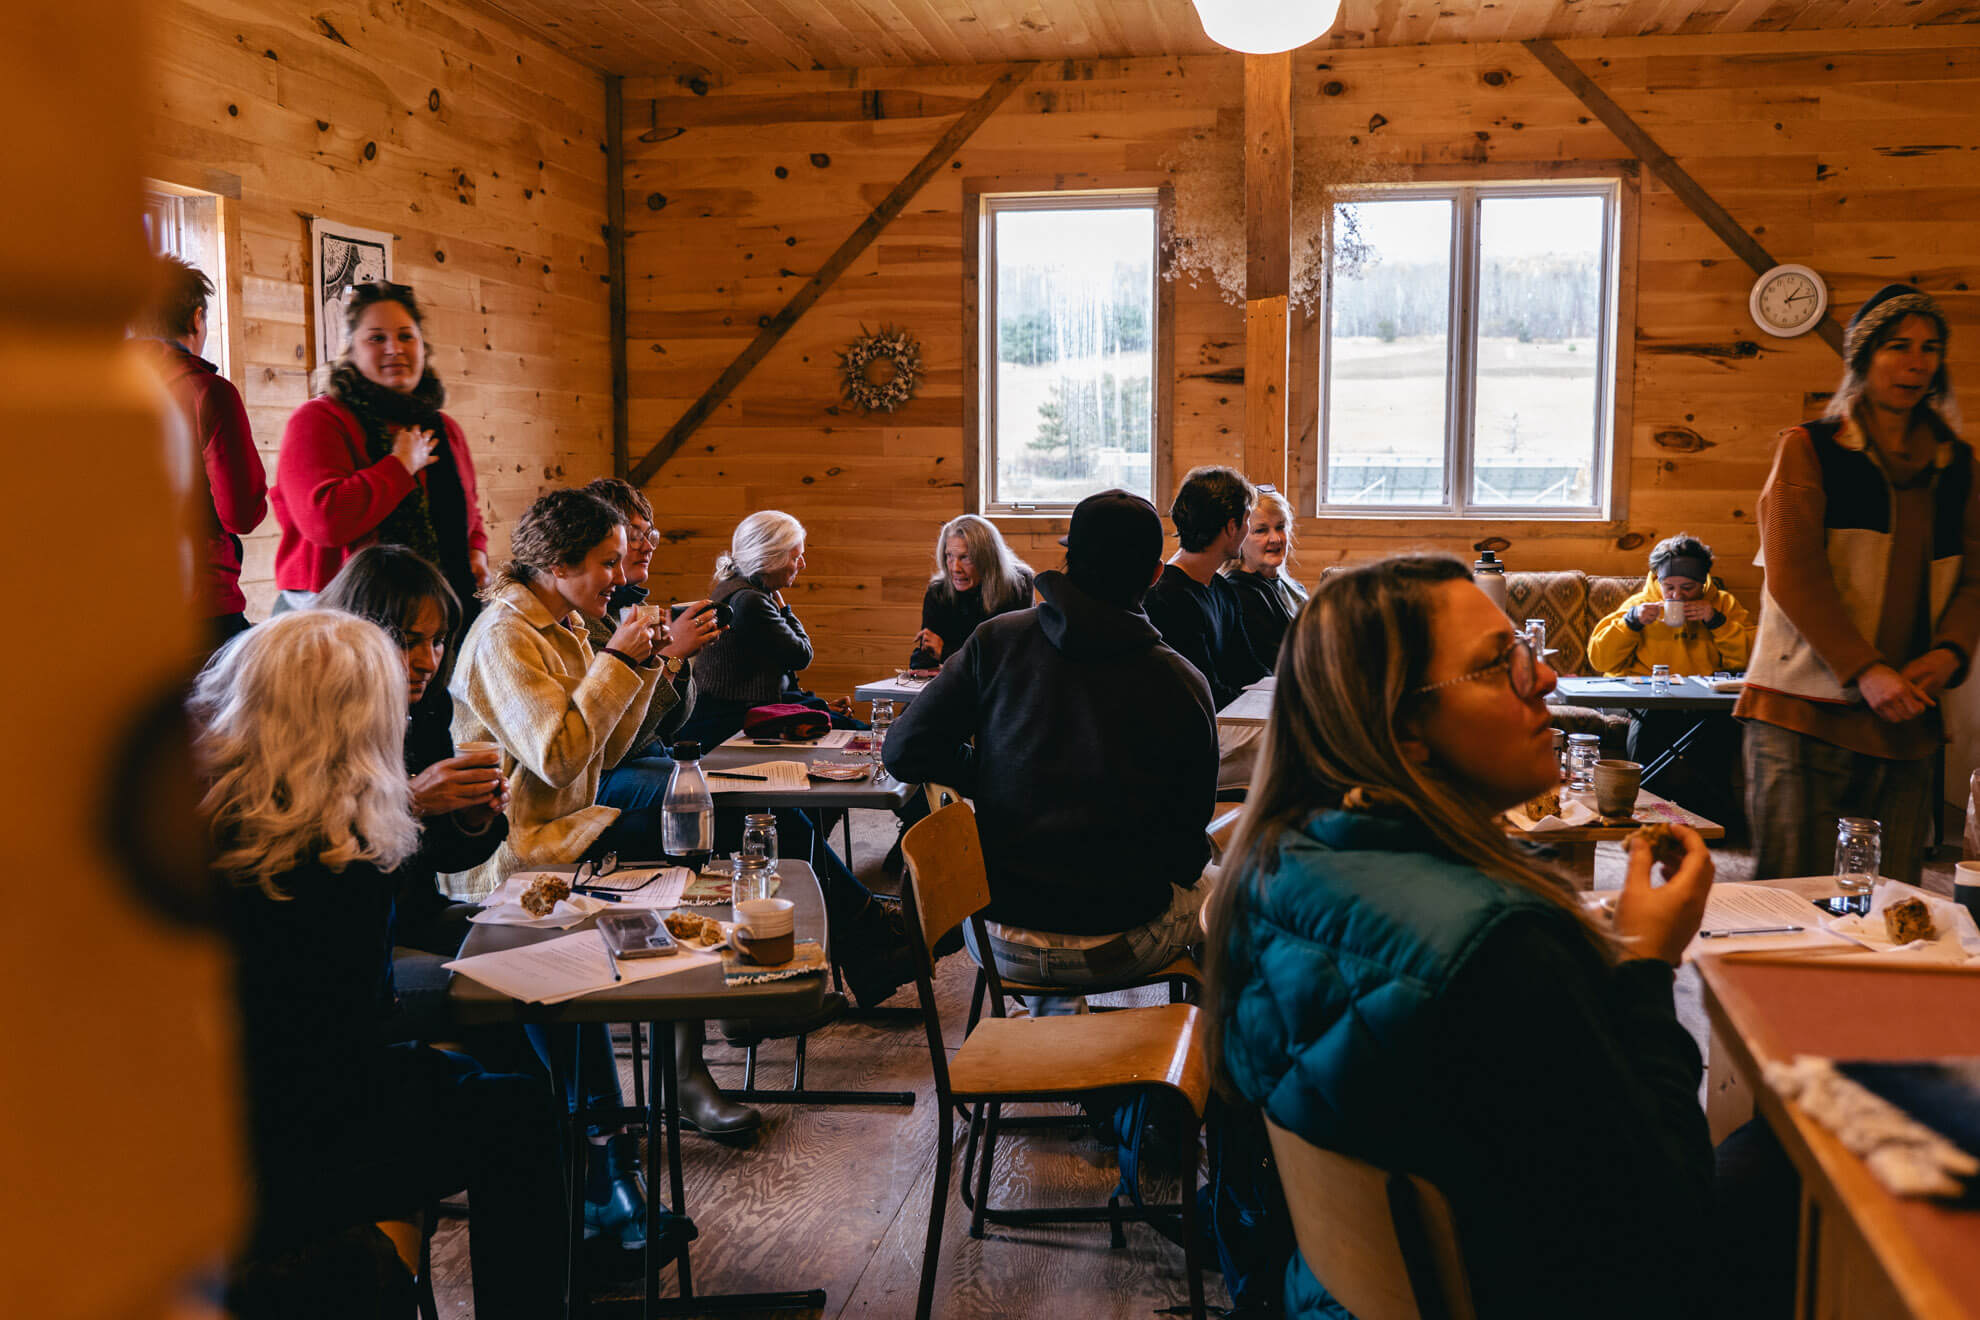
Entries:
{"x":940,"y":795}
{"x":1222,"y":829}
{"x":945,"y":867}
{"x":1383,"y":1244}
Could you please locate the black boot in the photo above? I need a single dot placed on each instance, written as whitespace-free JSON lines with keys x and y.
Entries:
{"x":704,"y":1108}
{"x":744,"y":1032}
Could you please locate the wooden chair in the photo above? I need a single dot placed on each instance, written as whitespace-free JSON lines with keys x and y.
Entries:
{"x":1222,"y":829}
{"x":1383,"y":1244}
{"x":1056,"y":1059}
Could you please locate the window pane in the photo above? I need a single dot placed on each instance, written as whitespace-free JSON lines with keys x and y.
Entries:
{"x":1075,"y":366}
{"x":1389,"y":358}
{"x":1535,"y":427}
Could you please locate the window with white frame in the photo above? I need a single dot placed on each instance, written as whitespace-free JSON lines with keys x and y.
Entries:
{"x":1469,"y":355}
{"x":1068,"y":347}
{"x":185,"y":223}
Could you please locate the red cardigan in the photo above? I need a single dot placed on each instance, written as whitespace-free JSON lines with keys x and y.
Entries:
{"x":329,"y":498}
{"x":234,"y":478}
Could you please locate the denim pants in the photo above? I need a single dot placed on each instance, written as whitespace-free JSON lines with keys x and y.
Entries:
{"x":1146,"y":949}
{"x":1797,"y":786}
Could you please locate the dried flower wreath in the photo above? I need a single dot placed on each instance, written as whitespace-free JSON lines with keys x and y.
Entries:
{"x":881,"y":370}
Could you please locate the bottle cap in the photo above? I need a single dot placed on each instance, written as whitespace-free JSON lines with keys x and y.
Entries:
{"x":688,"y":750}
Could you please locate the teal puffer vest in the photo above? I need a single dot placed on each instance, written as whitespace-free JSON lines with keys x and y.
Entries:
{"x":1336,"y":963}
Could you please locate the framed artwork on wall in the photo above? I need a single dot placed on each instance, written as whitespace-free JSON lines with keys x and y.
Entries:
{"x":341,"y":255}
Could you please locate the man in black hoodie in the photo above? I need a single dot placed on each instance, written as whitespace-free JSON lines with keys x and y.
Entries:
{"x":1094,"y":764}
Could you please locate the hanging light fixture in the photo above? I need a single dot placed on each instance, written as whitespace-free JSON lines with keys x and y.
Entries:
{"x":1266,"y":27}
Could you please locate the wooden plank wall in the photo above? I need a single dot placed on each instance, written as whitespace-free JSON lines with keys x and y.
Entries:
{"x":1850,"y":152}
{"x":480,"y":147}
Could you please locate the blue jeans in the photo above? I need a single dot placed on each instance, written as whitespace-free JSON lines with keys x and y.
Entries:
{"x":1142,"y":951}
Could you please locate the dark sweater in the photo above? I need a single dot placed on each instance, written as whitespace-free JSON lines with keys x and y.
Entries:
{"x":752,"y":662}
{"x":445,"y":846}
{"x":1094,"y":764}
{"x":1268,"y":606}
{"x":953,"y":615}
{"x":1204,"y":624}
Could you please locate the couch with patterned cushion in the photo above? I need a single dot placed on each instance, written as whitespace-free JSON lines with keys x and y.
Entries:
{"x":1572,"y":603}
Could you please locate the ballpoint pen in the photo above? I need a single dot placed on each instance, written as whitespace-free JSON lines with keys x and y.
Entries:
{"x":610,"y":960}
{"x":1748,"y":930}
{"x":603,"y":895}
{"x":731,"y":774}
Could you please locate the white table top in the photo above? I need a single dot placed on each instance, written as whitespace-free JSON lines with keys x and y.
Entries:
{"x":897,"y":690}
{"x":1252,"y":708}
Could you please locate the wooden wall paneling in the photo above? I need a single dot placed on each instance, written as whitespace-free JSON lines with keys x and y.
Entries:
{"x":615,"y":238}
{"x":479,"y":146}
{"x":1268,"y":169}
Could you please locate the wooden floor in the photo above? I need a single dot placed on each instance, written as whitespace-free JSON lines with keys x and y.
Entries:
{"x":838,"y":1197}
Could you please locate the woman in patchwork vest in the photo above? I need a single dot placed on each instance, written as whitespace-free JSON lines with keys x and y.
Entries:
{"x":1872,"y":600}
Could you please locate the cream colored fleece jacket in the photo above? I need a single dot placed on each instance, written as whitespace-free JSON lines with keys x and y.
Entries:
{"x":563,"y":715}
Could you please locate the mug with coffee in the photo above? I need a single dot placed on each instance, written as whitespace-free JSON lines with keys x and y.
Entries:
{"x":1616,"y":785}
{"x":765,"y":931}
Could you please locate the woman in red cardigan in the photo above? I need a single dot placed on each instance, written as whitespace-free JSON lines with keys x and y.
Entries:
{"x":373,"y":461}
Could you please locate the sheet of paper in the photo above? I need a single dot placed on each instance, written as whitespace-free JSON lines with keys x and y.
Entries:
{"x":777,"y":776}
{"x":1594,"y":685}
{"x":836,"y":738}
{"x":1748,"y":906}
{"x":565,"y":968}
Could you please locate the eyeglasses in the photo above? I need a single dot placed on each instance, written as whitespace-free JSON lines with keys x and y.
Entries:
{"x":595,"y":869}
{"x":651,"y":536}
{"x":1520,"y":664}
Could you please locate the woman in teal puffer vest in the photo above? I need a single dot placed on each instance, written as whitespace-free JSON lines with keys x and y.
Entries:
{"x":1392,"y":978}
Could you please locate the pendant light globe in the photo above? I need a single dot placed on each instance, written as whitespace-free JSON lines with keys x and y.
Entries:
{"x":1266,"y":27}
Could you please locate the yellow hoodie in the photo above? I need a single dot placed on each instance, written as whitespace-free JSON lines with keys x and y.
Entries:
{"x":1615,"y":648}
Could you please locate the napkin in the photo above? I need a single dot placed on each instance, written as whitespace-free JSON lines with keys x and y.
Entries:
{"x":1958,"y":939}
{"x":504,"y":906}
{"x":1573,"y":812}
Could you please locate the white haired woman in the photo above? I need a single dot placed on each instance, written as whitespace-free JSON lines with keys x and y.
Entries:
{"x":301,"y":739}
{"x":976,"y":578}
{"x":756,"y":662}
{"x":1270,"y":597}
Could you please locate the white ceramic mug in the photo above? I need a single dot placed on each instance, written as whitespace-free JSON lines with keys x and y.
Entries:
{"x":765,"y":931}
{"x":1966,"y":887}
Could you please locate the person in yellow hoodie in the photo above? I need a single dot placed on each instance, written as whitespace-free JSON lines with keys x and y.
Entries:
{"x":1682,"y":619}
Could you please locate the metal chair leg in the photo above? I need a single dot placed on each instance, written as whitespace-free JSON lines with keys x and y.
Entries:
{"x":639,"y":1073}
{"x":969,"y":1157}
{"x":983,"y":1169}
{"x":1192,"y":1262}
{"x":931,"y":1250}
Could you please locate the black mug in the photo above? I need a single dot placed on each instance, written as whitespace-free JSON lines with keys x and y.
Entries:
{"x":725,"y":613}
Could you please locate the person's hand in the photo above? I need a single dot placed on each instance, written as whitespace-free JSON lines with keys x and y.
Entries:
{"x":930,"y":641}
{"x":478,"y":565}
{"x":1893,"y":696}
{"x":1650,"y":611}
{"x":1930,"y":672}
{"x":1698,"y":610}
{"x":841,"y":706}
{"x":473,"y":780}
{"x":482,"y":815}
{"x":694,"y":629}
{"x":1658,"y":921}
{"x":633,"y":638}
{"x":414,"y":448}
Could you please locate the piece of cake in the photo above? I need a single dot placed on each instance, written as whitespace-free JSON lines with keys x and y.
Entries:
{"x":545,"y":894}
{"x":1547,"y":804}
{"x":1664,"y":844}
{"x":1908,"y":921}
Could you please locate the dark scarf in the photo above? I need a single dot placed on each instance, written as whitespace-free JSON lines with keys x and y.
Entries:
{"x":379,"y":410}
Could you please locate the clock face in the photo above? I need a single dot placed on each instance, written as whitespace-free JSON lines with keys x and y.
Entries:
{"x":1790,"y":300}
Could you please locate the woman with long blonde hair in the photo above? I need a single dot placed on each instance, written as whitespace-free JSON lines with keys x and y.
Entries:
{"x":976,"y":578}
{"x":1392,"y":978}
{"x":301,"y":726}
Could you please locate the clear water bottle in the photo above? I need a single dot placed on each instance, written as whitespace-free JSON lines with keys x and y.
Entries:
{"x":1859,"y":853}
{"x":1584,"y":750}
{"x":687,"y":820}
{"x":1660,"y":680}
{"x":883,"y":719}
{"x":756,"y":859}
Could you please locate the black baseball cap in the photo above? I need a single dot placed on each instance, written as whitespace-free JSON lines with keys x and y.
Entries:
{"x":1115,"y":523}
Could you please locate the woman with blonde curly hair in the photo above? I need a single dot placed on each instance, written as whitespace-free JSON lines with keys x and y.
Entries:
{"x":1270,"y":597}
{"x":301,"y":728}
{"x":976,"y":578}
{"x":1392,"y":978}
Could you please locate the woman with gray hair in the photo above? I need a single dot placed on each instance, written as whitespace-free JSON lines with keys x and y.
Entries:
{"x":1868,"y":527}
{"x":301,"y":732}
{"x":976,"y":578}
{"x":756,"y":662}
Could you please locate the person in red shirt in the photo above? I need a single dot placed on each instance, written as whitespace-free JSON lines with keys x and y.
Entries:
{"x":373,"y":461}
{"x":173,"y":330}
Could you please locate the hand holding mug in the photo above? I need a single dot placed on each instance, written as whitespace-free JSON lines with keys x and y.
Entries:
{"x":1650,"y":611}
{"x":471,"y":778}
{"x":633,"y":638}
{"x":1697,"y":610}
{"x":695,"y":627}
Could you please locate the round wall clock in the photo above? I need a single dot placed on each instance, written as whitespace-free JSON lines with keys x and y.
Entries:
{"x":1788,"y":301}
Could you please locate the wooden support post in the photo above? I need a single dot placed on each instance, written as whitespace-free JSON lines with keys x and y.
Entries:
{"x":835,"y":265}
{"x":615,"y":252}
{"x":1702,"y":204}
{"x":1268,"y":160}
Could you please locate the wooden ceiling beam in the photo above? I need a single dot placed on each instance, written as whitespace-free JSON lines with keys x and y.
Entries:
{"x":834,"y":266}
{"x":1268,"y":165}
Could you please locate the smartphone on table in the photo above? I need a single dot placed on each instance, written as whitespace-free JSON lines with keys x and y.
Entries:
{"x":636,"y":935}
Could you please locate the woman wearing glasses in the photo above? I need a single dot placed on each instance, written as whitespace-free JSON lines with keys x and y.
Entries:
{"x":1392,"y":978}
{"x":373,"y":461}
